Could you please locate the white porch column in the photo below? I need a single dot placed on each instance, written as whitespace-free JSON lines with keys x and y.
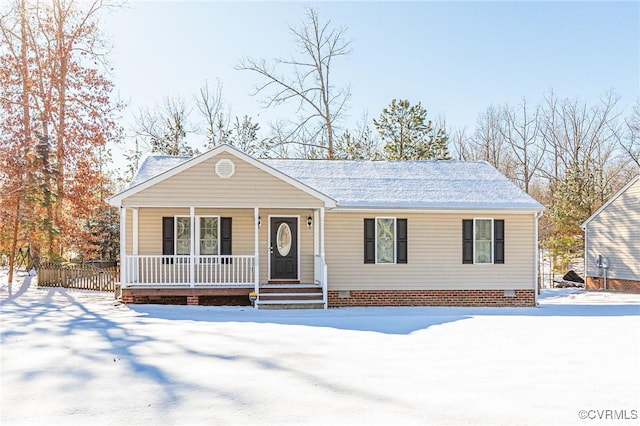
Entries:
{"x":135,"y":231}
{"x":322,"y":232}
{"x":256,"y":249}
{"x":123,"y":247}
{"x":316,"y":233}
{"x":536,"y":284}
{"x":133,"y":272}
{"x":192,"y":251}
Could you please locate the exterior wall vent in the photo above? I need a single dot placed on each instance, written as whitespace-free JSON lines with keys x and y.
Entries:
{"x":225,"y":168}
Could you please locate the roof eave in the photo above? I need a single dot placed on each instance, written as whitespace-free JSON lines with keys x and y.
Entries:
{"x":441,"y":209}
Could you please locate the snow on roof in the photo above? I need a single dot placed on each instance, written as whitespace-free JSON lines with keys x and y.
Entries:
{"x":153,"y":165}
{"x":421,"y":184}
{"x":389,"y":184}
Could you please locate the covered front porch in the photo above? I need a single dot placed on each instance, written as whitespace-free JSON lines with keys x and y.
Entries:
{"x":278,"y":253}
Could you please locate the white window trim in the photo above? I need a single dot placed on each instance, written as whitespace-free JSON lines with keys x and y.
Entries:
{"x":474,"y":241}
{"x":196,"y":234}
{"x":175,"y":234}
{"x":395,"y":240}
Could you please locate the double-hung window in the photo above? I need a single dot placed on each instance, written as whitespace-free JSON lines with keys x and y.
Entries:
{"x":208,"y":232}
{"x":183,"y":235}
{"x":385,"y":240}
{"x":482,"y":241}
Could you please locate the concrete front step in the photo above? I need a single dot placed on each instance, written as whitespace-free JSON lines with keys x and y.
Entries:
{"x":291,"y":304}
{"x":289,"y":287}
{"x":290,"y":296}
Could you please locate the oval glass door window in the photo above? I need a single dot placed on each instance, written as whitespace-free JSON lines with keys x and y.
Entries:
{"x":283,"y":239}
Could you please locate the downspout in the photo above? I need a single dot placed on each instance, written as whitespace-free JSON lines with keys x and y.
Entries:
{"x":536,"y":217}
{"x":586,"y":266}
{"x":325,"y":285}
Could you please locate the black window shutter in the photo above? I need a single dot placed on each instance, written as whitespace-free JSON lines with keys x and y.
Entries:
{"x":498,"y":241}
{"x":467,"y":241}
{"x":225,"y":236}
{"x":167,"y":238}
{"x":401,"y":240}
{"x":369,"y":241}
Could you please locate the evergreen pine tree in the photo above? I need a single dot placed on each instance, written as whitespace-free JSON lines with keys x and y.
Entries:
{"x":407,"y":135}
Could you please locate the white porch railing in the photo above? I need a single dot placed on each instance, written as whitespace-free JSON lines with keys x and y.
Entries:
{"x":188,"y":270}
{"x":320,"y":276}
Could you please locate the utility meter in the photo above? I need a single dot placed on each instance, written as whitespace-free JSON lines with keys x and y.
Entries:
{"x":603,"y":262}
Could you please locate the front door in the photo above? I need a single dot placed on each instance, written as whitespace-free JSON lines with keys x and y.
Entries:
{"x":284,"y":248}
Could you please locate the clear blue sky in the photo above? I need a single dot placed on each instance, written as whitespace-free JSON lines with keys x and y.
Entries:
{"x":457,"y":58}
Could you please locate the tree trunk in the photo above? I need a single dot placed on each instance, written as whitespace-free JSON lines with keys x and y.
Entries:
{"x":14,"y":243}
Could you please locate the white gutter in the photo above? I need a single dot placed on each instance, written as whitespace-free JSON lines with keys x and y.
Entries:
{"x":453,"y":210}
{"x":586,"y":245}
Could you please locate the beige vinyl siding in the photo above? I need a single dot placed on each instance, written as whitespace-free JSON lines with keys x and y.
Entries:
{"x":200,"y":186}
{"x":434,"y":255}
{"x":243,"y":242}
{"x":150,"y":228}
{"x":615,"y":233}
{"x":129,"y":233}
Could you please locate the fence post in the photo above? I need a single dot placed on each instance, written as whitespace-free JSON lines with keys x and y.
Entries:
{"x":63,"y":276}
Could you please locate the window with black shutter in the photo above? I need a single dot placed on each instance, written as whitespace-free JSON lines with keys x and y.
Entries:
{"x":209,"y":242}
{"x":476,"y":236}
{"x":385,"y":240}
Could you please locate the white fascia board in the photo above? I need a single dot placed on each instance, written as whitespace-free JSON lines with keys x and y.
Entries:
{"x":217,"y":206}
{"x":117,"y":199}
{"x":609,"y":201}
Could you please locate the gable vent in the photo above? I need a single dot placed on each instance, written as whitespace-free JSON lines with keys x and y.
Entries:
{"x":225,"y":168}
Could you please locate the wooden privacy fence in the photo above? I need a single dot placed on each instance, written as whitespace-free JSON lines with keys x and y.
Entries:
{"x":85,"y":277}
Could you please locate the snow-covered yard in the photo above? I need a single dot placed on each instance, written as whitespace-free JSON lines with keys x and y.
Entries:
{"x":75,"y":357}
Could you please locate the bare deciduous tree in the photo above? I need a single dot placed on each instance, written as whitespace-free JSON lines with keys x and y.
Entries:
{"x":216,"y":114}
{"x":489,"y":144}
{"x":165,"y":127}
{"x":630,"y":142}
{"x":310,"y":83}
{"x":520,"y":128}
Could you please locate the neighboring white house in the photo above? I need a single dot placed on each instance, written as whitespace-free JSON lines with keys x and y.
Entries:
{"x":612,"y":242}
{"x":326,"y":232}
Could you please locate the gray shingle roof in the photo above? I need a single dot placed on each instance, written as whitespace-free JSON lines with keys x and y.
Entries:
{"x":389,"y":184}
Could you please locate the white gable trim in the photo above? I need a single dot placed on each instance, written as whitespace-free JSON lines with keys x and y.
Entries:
{"x":611,"y":200}
{"x":117,"y":199}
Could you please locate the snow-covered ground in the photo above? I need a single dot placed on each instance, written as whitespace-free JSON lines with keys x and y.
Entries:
{"x":76,"y":358}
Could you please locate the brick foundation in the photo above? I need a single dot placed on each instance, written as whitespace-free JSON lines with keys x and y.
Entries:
{"x":186,"y":296}
{"x":431,"y":298}
{"x":613,"y":284}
